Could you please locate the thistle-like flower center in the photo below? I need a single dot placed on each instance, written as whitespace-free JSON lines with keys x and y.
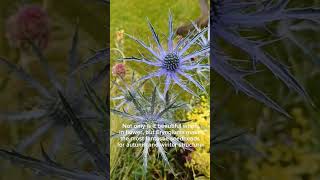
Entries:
{"x":171,"y":62}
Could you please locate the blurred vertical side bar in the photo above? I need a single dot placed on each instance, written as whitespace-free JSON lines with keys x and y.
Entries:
{"x":108,"y":85}
{"x":212,"y":116}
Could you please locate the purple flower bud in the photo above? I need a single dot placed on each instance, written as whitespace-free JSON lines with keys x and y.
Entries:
{"x":119,"y":70}
{"x":31,"y":22}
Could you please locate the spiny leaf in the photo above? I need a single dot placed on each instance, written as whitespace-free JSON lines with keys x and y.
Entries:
{"x":99,"y":56}
{"x":46,"y":156}
{"x":20,"y":73}
{"x":73,"y":60}
{"x":92,"y":148}
{"x":50,"y":72}
{"x":23,"y":116}
{"x":153,"y":100}
{"x":47,"y":168}
{"x":95,"y":99}
{"x":236,"y":78}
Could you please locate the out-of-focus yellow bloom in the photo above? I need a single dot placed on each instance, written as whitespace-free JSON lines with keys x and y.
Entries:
{"x":119,"y":35}
{"x":199,"y":159}
{"x":293,"y":161}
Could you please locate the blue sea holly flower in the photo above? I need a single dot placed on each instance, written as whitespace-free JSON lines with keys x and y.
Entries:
{"x":175,"y":61}
{"x":150,"y":120}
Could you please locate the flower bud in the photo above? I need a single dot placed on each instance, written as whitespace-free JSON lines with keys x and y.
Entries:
{"x":119,"y":70}
{"x":31,"y":22}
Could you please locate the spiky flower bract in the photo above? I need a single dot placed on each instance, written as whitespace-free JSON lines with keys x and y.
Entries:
{"x":229,"y":17}
{"x":125,"y":90}
{"x":150,"y":120}
{"x":204,"y":40}
{"x":174,"y":62}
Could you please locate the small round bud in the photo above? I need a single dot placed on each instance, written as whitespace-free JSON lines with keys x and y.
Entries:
{"x":31,"y":22}
{"x":119,"y":70}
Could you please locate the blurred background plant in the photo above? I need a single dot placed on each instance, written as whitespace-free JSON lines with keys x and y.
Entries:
{"x":50,"y":25}
{"x":269,"y":141}
{"x":288,"y":151}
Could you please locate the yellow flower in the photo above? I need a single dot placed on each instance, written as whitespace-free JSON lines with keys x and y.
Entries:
{"x":119,"y":35}
{"x":199,"y":117}
{"x":288,"y":162}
